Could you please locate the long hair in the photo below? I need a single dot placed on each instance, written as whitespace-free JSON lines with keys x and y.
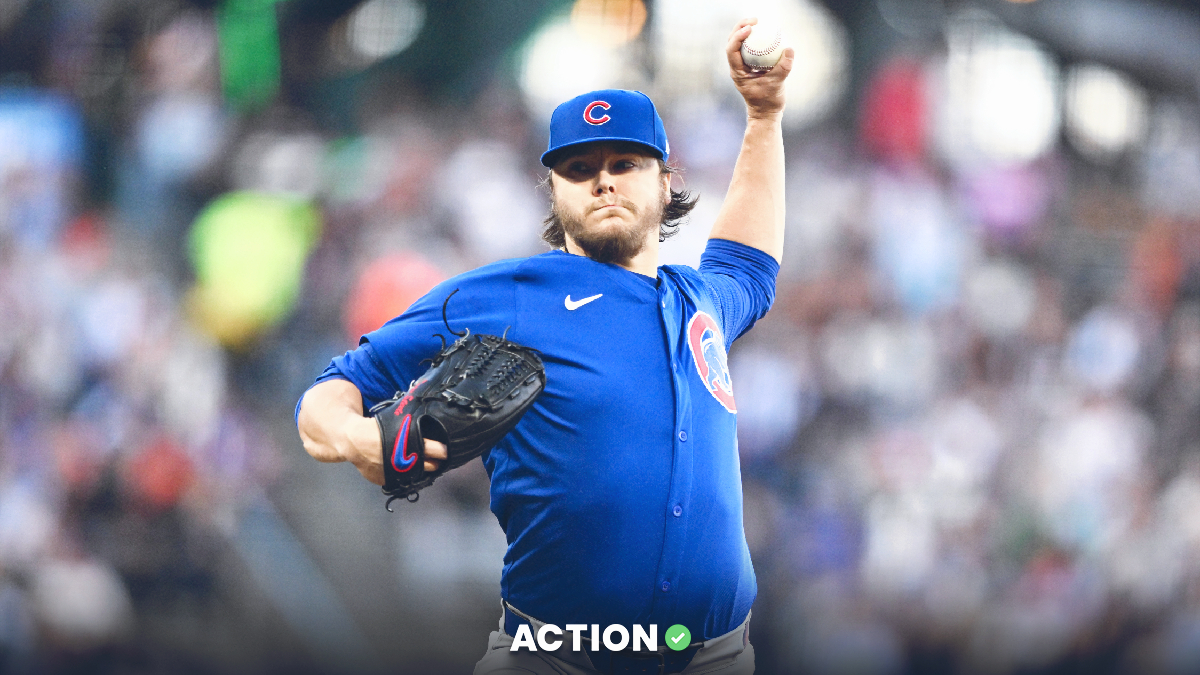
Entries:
{"x":674,"y":214}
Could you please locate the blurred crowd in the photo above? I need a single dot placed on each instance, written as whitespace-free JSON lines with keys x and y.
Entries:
{"x":969,"y":429}
{"x":970,"y":446}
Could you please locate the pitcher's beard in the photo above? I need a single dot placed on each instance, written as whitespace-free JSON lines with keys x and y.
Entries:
{"x":619,"y":245}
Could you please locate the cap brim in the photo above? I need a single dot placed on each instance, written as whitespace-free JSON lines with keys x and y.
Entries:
{"x":551,"y":157}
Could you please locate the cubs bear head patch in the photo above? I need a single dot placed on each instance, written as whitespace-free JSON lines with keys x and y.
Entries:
{"x":708,"y":352}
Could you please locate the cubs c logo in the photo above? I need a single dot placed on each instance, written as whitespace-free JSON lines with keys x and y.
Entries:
{"x":590,"y":111}
{"x":708,"y":352}
{"x":401,"y":459}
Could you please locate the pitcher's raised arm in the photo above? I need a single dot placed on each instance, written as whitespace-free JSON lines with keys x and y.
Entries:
{"x":753,"y":212}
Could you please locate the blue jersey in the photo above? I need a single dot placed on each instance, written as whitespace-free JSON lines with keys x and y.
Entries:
{"x":620,"y":490}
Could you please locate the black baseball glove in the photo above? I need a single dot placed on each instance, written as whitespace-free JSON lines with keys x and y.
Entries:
{"x":475,"y":392}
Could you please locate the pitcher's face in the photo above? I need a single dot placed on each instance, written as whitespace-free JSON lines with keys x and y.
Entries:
{"x":610,"y":198}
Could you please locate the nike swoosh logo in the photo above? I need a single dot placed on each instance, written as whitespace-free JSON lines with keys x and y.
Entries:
{"x":677,"y":638}
{"x":576,"y":304}
{"x":406,"y":460}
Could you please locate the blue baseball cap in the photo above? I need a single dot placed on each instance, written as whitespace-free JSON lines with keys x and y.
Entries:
{"x":607,"y":115}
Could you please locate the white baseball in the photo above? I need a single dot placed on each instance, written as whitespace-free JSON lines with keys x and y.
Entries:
{"x":762,"y":47}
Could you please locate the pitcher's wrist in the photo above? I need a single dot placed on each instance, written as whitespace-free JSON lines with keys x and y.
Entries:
{"x":362,"y":440}
{"x":765,"y":117}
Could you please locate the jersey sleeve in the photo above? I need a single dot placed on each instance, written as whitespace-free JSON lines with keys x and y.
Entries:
{"x":387,"y":360}
{"x":741,"y":281}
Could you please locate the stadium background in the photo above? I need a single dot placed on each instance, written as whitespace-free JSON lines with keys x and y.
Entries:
{"x":970,"y":428}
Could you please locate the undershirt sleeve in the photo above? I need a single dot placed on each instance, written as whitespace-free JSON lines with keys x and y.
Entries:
{"x":741,"y":281}
{"x":387,"y":360}
{"x":378,"y":378}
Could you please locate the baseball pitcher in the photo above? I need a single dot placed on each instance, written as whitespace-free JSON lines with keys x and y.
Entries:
{"x":594,"y":384}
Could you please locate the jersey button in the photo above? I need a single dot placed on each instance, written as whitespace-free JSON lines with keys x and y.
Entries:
{"x":666,"y":587}
{"x":682,"y":435}
{"x":678,"y":510}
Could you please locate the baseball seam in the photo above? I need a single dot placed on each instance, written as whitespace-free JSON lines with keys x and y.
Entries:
{"x":763,"y":52}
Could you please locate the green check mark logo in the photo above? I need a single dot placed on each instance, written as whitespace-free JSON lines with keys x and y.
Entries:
{"x":678,"y":637}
